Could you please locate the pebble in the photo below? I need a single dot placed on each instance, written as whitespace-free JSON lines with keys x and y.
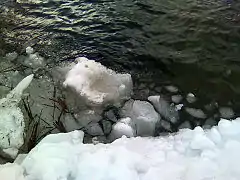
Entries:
{"x":191,"y":98}
{"x":111,"y":116}
{"x":197,"y":113}
{"x":177,"y":99}
{"x":171,"y":89}
{"x":226,"y":112}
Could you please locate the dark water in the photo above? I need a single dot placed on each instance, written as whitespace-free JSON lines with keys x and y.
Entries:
{"x":194,"y":45}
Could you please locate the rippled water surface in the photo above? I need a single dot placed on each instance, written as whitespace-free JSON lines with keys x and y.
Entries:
{"x":194,"y":45}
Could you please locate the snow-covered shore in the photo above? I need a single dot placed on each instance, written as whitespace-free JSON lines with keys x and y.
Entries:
{"x":98,"y":101}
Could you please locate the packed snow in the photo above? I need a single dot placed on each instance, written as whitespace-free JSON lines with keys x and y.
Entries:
{"x":190,"y":154}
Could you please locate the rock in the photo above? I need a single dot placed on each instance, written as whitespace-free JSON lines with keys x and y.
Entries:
{"x":210,"y":122}
{"x":99,"y":139}
{"x":226,"y":112}
{"x":191,"y":98}
{"x":70,"y":123}
{"x":197,"y":113}
{"x":111,"y":116}
{"x":12,"y":122}
{"x":94,"y":129}
{"x":107,"y":126}
{"x":97,"y":85}
{"x":185,"y":125}
{"x":164,"y":108}
{"x":122,"y":128}
{"x":172,"y":89}
{"x":143,"y":115}
{"x":166,"y":125}
{"x":80,"y":119}
{"x":177,"y":99}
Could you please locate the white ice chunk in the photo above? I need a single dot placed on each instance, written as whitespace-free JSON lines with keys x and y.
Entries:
{"x":143,"y":115}
{"x":97,"y":84}
{"x":122,"y":128}
{"x":12,"y":121}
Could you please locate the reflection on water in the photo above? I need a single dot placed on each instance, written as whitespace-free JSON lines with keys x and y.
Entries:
{"x":191,"y":44}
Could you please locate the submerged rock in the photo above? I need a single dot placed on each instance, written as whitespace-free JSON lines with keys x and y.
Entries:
{"x":197,"y":113}
{"x":12,"y":121}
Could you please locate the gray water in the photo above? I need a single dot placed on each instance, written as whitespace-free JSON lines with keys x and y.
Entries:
{"x":193,"y":45}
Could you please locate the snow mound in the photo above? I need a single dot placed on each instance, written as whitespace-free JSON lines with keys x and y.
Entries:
{"x":190,"y":154}
{"x":97,"y":84}
{"x":12,"y":122}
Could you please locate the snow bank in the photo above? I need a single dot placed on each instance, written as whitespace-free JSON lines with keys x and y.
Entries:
{"x":12,"y":122}
{"x":97,"y":84}
{"x":189,"y":154}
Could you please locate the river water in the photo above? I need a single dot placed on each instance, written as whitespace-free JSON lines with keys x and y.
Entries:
{"x":193,"y":45}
